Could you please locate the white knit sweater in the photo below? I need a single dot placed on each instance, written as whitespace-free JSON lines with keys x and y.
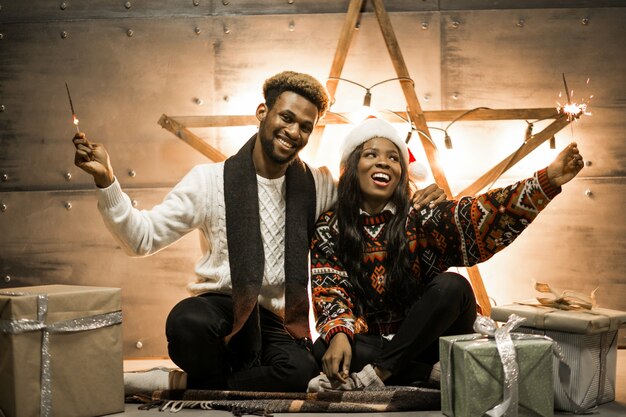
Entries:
{"x":197,"y":202}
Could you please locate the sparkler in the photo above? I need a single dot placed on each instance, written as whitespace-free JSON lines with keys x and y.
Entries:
{"x":571,"y":109}
{"x":74,"y":118}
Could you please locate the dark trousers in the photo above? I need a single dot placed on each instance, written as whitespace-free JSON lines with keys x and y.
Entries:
{"x":195,"y":331}
{"x":447,"y":307}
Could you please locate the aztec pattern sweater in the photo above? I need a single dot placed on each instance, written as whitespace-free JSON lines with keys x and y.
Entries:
{"x":453,"y":233}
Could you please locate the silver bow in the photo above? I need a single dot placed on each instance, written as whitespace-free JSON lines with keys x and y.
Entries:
{"x":508,"y":356}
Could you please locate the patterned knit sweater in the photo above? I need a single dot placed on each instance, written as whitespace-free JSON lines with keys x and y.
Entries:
{"x":197,"y":202}
{"x":453,"y":233}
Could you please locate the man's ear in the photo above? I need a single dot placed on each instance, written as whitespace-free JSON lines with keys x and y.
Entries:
{"x":261,"y":112}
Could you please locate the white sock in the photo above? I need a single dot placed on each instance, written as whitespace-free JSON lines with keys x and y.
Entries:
{"x":154,"y":379}
{"x":367,"y":377}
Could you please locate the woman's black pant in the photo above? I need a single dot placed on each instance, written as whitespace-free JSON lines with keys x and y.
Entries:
{"x":195,"y":331}
{"x":447,"y":307}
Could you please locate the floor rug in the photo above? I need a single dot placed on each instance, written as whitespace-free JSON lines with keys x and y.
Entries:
{"x":265,"y":403}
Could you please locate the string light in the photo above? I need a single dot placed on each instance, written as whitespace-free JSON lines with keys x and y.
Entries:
{"x":366,"y":110}
{"x":447,"y":141}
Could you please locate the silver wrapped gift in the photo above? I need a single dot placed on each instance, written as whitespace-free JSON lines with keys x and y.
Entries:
{"x":587,"y":339}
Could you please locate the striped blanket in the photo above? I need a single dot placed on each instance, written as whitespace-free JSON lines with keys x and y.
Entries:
{"x":265,"y":403}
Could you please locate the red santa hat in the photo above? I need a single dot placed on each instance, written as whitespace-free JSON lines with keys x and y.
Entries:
{"x":376,"y":128}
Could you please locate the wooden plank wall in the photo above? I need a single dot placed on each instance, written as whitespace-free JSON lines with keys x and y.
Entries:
{"x":127,"y":66}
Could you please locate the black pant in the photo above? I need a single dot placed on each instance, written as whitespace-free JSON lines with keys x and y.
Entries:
{"x":195,"y":331}
{"x":447,"y":307}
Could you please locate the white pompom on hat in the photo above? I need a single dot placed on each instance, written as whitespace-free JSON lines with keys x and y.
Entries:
{"x":369,"y":129}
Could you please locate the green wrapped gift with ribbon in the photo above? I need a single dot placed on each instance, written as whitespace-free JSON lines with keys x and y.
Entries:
{"x":501,"y":375}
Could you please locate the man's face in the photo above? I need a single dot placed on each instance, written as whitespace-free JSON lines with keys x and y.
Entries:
{"x":285,"y":128}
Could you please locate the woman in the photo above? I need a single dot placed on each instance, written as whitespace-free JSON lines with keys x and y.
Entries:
{"x":381,"y":293}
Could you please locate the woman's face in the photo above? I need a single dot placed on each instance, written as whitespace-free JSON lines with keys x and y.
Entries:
{"x":379,"y":171}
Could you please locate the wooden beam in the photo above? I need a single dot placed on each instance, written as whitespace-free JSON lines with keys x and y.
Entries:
{"x":414,"y":108}
{"x":417,"y":116}
{"x":491,"y":114}
{"x":480,"y":292}
{"x":530,"y":145}
{"x":216,"y":121}
{"x":193,"y":140}
{"x":390,"y":116}
{"x":345,"y":38}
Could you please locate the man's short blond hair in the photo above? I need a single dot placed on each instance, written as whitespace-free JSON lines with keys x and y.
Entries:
{"x":302,"y":84}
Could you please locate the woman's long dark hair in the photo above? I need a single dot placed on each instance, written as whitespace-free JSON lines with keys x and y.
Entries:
{"x":400,"y":285}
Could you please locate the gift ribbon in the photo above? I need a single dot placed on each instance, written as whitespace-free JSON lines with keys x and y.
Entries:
{"x":567,"y":300}
{"x":73,"y":325}
{"x":506,"y":349}
{"x":508,"y":356}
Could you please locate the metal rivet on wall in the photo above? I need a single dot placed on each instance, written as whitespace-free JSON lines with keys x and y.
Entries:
{"x":455,"y":96}
{"x":197,"y":30}
{"x":196,"y":3}
{"x":292,"y":26}
{"x":427,"y":97}
{"x":1,"y":36}
{"x":520,"y":23}
{"x":132,"y":173}
{"x":3,"y":207}
{"x":128,"y":5}
{"x":455,"y":24}
{"x":585,"y":21}
{"x":67,"y":205}
{"x":198,"y":101}
{"x":226,"y":29}
{"x":588,"y":192}
{"x":424,"y":25}
{"x":134,"y":202}
{"x":63,"y":35}
{"x":68,"y":176}
{"x":5,"y":177}
{"x":130,"y":33}
{"x":588,"y":163}
{"x":290,"y":1}
{"x":2,"y":108}
{"x":226,"y":98}
{"x":7,"y":278}
{"x":225,"y":2}
{"x":63,"y":6}
{"x":139,"y":345}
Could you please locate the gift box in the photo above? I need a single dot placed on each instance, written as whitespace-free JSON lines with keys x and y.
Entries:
{"x":472,"y":376}
{"x":61,"y":351}
{"x":587,"y":339}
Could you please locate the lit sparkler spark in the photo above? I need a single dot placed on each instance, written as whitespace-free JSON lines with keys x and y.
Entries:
{"x":74,"y":118}
{"x":572,"y":109}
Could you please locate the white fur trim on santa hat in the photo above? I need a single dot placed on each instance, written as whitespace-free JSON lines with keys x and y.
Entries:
{"x":370,"y":129}
{"x":417,"y":172}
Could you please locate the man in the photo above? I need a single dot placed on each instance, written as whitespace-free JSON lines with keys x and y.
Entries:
{"x":246,"y":327}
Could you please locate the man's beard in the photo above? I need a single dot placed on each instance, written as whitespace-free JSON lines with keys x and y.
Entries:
{"x":268,"y":149}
